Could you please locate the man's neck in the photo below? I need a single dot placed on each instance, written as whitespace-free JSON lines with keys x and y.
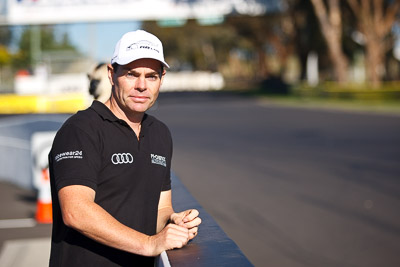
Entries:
{"x":134,"y":120}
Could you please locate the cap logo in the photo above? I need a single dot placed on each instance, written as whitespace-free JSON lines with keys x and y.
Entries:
{"x":143,"y":45}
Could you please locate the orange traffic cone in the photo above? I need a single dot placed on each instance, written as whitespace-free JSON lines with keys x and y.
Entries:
{"x":44,"y":212}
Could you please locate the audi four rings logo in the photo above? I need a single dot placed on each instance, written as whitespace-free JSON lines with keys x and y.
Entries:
{"x":122,"y":158}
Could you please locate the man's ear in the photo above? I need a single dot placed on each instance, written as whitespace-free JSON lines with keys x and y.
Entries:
{"x":110,"y":71}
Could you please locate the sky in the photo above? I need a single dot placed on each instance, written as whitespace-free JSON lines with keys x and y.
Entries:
{"x":97,"y":40}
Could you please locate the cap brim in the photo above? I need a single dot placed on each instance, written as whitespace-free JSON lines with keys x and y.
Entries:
{"x":129,"y":60}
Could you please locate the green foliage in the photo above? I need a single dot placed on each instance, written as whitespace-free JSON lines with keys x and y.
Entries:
{"x":48,"y":42}
{"x":5,"y":35}
{"x":193,"y":46}
{"x":5,"y":57}
{"x":388,"y":91}
{"x":234,"y":47}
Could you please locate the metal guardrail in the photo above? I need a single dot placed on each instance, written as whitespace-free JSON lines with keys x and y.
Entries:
{"x":212,"y":247}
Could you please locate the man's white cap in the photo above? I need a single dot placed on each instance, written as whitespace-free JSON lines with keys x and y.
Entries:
{"x":136,"y":45}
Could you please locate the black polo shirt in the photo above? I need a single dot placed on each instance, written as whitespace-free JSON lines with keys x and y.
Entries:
{"x":96,"y":149}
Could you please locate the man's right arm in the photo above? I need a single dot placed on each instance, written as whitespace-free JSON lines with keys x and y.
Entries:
{"x":81,"y":213}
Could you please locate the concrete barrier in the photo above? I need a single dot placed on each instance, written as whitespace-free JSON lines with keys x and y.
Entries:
{"x":16,"y":132}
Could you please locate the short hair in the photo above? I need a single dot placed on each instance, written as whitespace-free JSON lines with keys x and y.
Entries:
{"x":115,"y":66}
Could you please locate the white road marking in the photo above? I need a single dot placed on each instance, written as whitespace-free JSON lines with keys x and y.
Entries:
{"x":25,"y":252}
{"x":17,"y":223}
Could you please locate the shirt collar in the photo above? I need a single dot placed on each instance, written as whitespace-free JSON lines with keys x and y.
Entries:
{"x":106,"y":114}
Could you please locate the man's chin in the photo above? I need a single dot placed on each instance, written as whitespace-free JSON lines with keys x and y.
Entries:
{"x":139,"y":107}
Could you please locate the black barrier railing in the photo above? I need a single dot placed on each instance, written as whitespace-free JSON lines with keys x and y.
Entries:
{"x":212,"y":247}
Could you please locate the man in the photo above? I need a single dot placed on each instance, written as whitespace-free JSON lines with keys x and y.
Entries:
{"x":110,"y":171}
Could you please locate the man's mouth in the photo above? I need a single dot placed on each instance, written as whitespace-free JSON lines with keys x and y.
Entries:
{"x":140,"y":99}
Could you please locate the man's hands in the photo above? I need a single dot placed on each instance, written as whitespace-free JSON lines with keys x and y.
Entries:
{"x":183,"y":227}
{"x":172,"y":236}
{"x":188,"y":219}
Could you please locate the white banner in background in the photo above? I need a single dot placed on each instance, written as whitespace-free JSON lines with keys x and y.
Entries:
{"x":70,"y":11}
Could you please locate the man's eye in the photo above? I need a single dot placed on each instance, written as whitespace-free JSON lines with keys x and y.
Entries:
{"x":153,"y":77}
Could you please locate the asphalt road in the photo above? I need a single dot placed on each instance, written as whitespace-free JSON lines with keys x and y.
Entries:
{"x":292,"y":187}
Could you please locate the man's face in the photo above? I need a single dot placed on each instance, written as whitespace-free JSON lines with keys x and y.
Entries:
{"x":137,"y":84}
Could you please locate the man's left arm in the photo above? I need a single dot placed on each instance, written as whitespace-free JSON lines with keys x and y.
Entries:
{"x":188,"y":218}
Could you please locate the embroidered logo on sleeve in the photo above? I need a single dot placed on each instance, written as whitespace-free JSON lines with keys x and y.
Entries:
{"x":69,"y":155}
{"x":159,"y":160}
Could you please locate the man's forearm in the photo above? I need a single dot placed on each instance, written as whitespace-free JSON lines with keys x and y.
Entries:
{"x":108,"y":231}
{"x":81,"y":213}
{"x":163,"y":217}
{"x":100,"y":226}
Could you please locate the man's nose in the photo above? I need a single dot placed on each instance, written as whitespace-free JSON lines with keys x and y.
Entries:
{"x":140,"y":83}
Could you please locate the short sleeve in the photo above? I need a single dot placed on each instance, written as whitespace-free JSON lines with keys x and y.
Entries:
{"x":75,"y":158}
{"x":167,"y":181}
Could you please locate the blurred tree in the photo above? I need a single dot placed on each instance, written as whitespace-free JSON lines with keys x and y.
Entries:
{"x":48,"y":42}
{"x":255,"y":30}
{"x":227,"y":47}
{"x":5,"y":35}
{"x":330,"y":20}
{"x":5,"y":38}
{"x":306,"y":35}
{"x":192,"y":46}
{"x":375,"y":19}
{"x":5,"y":57}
